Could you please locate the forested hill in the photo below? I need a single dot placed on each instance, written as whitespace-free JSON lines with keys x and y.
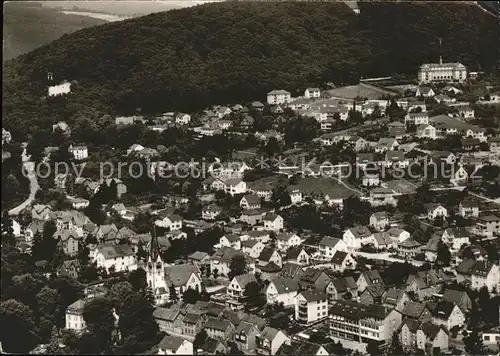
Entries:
{"x":229,"y":52}
{"x":28,"y":25}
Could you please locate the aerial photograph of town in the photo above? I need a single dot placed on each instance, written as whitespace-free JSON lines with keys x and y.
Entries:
{"x":250,"y":177}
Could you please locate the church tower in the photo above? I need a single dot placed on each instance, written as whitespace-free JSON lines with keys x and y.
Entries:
{"x":155,"y":269}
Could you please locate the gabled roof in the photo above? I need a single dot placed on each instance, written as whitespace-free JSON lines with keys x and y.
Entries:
{"x":217,"y":324}
{"x":357,"y":311}
{"x":454,"y":296}
{"x":285,"y":285}
{"x":313,"y":296}
{"x":252,"y":199}
{"x":170,"y":342}
{"x":112,"y":251}
{"x":344,"y":284}
{"x":413,"y":309}
{"x":294,"y":252}
{"x":372,"y":276}
{"x":339,"y":257}
{"x":244,"y":279}
{"x":376,"y":290}
{"x":430,"y":329}
{"x":443,"y":310}
{"x":291,"y":270}
{"x":266,"y":254}
{"x":392,"y":296}
{"x":329,"y":241}
{"x":178,"y":275}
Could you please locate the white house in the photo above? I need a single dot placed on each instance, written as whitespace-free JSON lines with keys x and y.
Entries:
{"x":417,"y":118}
{"x":250,"y":201}
{"x":310,"y":307}
{"x":235,"y":186}
{"x":426,"y":131}
{"x":278,"y":97}
{"x":447,"y":314}
{"x":425,"y":91}
{"x":287,"y":240}
{"x":74,"y":316}
{"x":182,"y":119}
{"x":342,"y":261}
{"x":295,"y":196}
{"x":210,"y":212}
{"x":270,"y":340}
{"x":61,"y":89}
{"x":174,"y":345}
{"x":119,"y":257}
{"x":379,"y":220}
{"x":468,"y":208}
{"x":273,"y":221}
{"x":79,"y":152}
{"x":236,"y":288}
{"x":328,"y":246}
{"x":171,"y":221}
{"x":311,"y":93}
{"x":282,"y":290}
{"x":436,"y":210}
{"x":356,"y":236}
{"x":252,"y":247}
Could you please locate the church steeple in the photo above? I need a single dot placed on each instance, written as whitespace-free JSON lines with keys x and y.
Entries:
{"x":154,"y":248}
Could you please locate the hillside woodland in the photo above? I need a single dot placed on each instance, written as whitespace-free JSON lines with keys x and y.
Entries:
{"x":235,"y":52}
{"x":27,"y":26}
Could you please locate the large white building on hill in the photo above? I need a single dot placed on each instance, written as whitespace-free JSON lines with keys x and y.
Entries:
{"x":442,"y":72}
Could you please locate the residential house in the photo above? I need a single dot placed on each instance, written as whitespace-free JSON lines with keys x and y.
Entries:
{"x":282,"y":290}
{"x":417,"y":118}
{"x":79,"y":152}
{"x":396,"y":159}
{"x":236,"y":288}
{"x":221,"y":260}
{"x":459,"y":298}
{"x":174,"y":345}
{"x":276,"y":97}
{"x":488,"y":225}
{"x":245,"y":336}
{"x":397,"y":130}
{"x":427,"y":131}
{"x":312,"y":93}
{"x":342,"y":261}
{"x":273,"y":221}
{"x":286,"y":240}
{"x":183,"y":277}
{"x":298,"y":255}
{"x":386,"y":144}
{"x":494,"y":143}
{"x":41,"y":212}
{"x":314,"y":279}
{"x":210,"y":212}
{"x":447,"y":314}
{"x":182,"y":119}
{"x":68,"y":240}
{"x":425,"y":92}
{"x":368,"y":278}
{"x":230,"y":240}
{"x":425,"y":336}
{"x":252,"y":247}
{"x":117,"y":257}
{"x":379,"y":220}
{"x":328,"y":246}
{"x":427,"y":283}
{"x":470,"y":144}
{"x":74,"y":316}
{"x":456,"y":237}
{"x":310,"y":307}
{"x":416,"y":311}
{"x":169,"y":319}
{"x":409,"y":248}
{"x":169,"y":221}
{"x":395,"y":298}
{"x":436,"y":210}
{"x":342,"y":288}
{"x":372,"y":294}
{"x":356,"y":236}
{"x":269,"y":255}
{"x":270,"y":340}
{"x":235,"y":186}
{"x":479,"y":273}
{"x":444,"y":99}
{"x":363,"y":323}
{"x":468,"y":208}
{"x":250,"y":201}
{"x":446,"y":156}
{"x":370,"y":180}
{"x":220,"y":329}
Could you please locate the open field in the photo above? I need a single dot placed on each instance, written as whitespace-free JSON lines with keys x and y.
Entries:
{"x":322,"y":186}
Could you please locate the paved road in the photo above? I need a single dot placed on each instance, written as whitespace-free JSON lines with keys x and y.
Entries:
{"x":28,"y":167}
{"x":385,"y":257}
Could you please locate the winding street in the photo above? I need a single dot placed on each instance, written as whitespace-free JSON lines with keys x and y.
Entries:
{"x":28,"y":167}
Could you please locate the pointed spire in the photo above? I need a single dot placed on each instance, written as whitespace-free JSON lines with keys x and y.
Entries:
{"x":154,"y":250}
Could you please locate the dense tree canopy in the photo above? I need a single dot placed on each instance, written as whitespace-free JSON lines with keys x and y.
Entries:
{"x":234,"y":52}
